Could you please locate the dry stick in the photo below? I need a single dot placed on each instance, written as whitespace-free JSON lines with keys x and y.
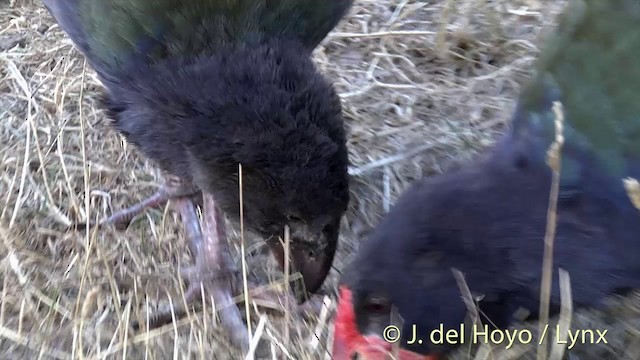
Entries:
{"x":286,"y":280}
{"x":253,"y":345}
{"x":77,"y":335}
{"x":243,"y":257}
{"x":553,"y":160}
{"x":566,"y":309}
{"x":632,"y":186}
{"x":27,"y":150}
{"x":322,"y":321}
{"x":468,"y":301}
{"x":396,"y":320}
{"x":466,"y":295}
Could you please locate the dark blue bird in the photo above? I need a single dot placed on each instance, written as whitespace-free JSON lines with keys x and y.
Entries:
{"x":203,"y":86}
{"x":488,"y":219}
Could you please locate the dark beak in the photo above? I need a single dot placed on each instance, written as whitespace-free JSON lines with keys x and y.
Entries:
{"x":311,"y":254}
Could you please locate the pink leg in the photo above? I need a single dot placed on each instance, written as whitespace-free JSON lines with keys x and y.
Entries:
{"x":173,"y":188}
{"x":214,"y":272}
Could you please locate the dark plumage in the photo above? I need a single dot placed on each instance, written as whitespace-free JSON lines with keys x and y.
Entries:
{"x":488,"y":219}
{"x":265,"y":108}
{"x":203,"y":86}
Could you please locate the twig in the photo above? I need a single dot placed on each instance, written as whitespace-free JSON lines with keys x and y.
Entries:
{"x":253,"y":345}
{"x":553,"y":160}
{"x":243,"y":256}
{"x":286,"y":279}
{"x":558,"y":347}
{"x":471,"y":308}
{"x":388,"y":160}
{"x":632,"y":186}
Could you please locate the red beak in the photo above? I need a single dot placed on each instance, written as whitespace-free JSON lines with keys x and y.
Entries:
{"x":348,"y":342}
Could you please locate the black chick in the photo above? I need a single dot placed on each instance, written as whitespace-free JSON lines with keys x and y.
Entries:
{"x":488,"y":219}
{"x":203,"y":86}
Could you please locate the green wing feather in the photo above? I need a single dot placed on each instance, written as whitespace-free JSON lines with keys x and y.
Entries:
{"x":591,"y":64}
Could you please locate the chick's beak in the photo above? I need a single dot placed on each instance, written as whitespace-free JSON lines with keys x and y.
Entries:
{"x":349,"y":344}
{"x":311,"y":252}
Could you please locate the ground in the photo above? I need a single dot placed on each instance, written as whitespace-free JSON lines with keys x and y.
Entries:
{"x":425,"y":85}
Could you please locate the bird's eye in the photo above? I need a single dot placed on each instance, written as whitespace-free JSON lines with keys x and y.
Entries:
{"x":521,"y":161}
{"x":376,"y":306}
{"x":271,"y":228}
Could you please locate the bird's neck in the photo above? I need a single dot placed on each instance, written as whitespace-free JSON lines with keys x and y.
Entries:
{"x":236,"y":73}
{"x":243,"y":63}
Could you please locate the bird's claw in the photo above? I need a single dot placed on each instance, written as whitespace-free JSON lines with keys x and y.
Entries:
{"x":214,"y":277}
{"x":202,"y":285}
{"x":173,"y":188}
{"x":212,"y":285}
{"x":267,"y":297}
{"x":195,"y":274}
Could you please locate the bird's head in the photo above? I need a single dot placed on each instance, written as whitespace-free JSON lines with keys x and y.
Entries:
{"x":303,"y":187}
{"x":310,"y":200}
{"x":276,"y":133}
{"x":470,"y":220}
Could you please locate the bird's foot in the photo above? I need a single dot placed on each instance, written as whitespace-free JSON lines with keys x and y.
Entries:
{"x":214,"y":288}
{"x":214,"y":277}
{"x":211,"y":278}
{"x":173,"y":188}
{"x":270,"y":297}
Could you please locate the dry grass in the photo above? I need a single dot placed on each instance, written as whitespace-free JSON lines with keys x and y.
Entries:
{"x":425,"y":84}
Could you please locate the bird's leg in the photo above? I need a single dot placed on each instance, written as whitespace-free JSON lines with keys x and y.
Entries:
{"x":269,"y":297}
{"x":173,"y":188}
{"x":212,"y":270}
{"x":213,"y":273}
